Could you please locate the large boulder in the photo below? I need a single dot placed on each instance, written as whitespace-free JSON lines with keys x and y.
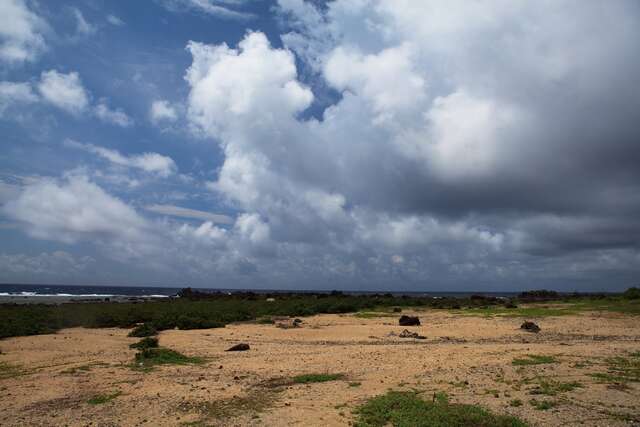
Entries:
{"x":530,"y":327}
{"x":409,"y":321}
{"x":239,"y":347}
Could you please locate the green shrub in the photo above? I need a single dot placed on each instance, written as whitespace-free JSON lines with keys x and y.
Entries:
{"x":144,"y":330}
{"x":632,"y":293}
{"x":316,"y":378}
{"x":149,"y":357}
{"x":407,"y":409}
{"x":148,"y":342}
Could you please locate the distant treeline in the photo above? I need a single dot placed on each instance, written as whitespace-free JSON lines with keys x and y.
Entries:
{"x":198,"y":310}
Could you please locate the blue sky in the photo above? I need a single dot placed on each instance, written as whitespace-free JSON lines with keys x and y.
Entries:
{"x":349,"y":144}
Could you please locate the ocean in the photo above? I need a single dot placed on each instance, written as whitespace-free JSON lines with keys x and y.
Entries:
{"x":164,"y":292}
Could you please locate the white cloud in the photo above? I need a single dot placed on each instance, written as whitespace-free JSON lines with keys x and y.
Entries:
{"x":21,"y":32}
{"x":45,"y":264}
{"x":149,"y":162}
{"x":162,"y":110}
{"x":15,"y":93}
{"x":64,"y":91}
{"x":117,"y":116}
{"x":252,"y":81}
{"x":73,"y":209}
{"x":82,"y":26}
{"x":226,"y":9}
{"x":114,"y":20}
{"x":178,"y":211}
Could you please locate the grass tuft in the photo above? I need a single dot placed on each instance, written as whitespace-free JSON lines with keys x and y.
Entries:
{"x":534,"y":359}
{"x":148,"y":342}
{"x":316,"y":378}
{"x":150,"y":357}
{"x":407,"y":409}
{"x":543,"y":405}
{"x":103,"y":398}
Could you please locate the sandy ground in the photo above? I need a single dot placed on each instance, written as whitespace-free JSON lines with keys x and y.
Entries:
{"x":470,"y":358}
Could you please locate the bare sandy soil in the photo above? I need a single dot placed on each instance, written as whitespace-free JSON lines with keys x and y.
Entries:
{"x":470,"y":358}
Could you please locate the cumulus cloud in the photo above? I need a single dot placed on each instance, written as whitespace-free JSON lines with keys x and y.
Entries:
{"x":161,"y":111}
{"x":148,"y":162}
{"x":21,"y":32}
{"x":72,"y":209}
{"x":45,"y":265}
{"x":116,"y":117}
{"x":434,"y":149}
{"x":12,"y":93}
{"x":64,"y":91}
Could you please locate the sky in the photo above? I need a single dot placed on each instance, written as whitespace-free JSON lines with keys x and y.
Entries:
{"x":392,"y":145}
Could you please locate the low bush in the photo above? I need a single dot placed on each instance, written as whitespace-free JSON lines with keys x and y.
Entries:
{"x":407,"y":409}
{"x":148,"y":342}
{"x":144,"y":330}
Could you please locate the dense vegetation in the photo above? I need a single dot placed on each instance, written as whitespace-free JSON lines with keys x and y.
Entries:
{"x":407,"y":409}
{"x":194,"y":310}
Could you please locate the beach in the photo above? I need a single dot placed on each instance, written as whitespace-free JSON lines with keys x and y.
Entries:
{"x":54,"y":379}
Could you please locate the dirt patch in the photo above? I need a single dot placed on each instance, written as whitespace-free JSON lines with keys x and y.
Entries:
{"x":469,"y":358}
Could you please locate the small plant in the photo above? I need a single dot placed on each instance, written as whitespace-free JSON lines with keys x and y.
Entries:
{"x":316,"y":378}
{"x":398,"y":408}
{"x":144,"y":343}
{"x":552,"y":388}
{"x":150,"y":357}
{"x":144,"y":330}
{"x":355,"y":384}
{"x":543,"y":405}
{"x":10,"y":371}
{"x":533,"y":359}
{"x":515,"y":403}
{"x":621,"y":369}
{"x":103,"y":398}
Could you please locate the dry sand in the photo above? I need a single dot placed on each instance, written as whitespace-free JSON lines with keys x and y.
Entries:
{"x":61,"y":372}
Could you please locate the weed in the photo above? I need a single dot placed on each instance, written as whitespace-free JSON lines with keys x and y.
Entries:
{"x":10,"y":371}
{"x":408,"y":409}
{"x":534,"y":359}
{"x":147,"y":342}
{"x":355,"y":384}
{"x":103,"y":398}
{"x":150,"y":357}
{"x":515,"y":403}
{"x":552,"y":388}
{"x":316,"y":378}
{"x":543,"y":405}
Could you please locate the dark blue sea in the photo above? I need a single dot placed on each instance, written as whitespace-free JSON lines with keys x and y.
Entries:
{"x":160,"y":292}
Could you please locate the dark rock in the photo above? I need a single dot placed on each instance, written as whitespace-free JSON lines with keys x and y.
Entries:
{"x":409,"y":321}
{"x":407,"y":334}
{"x":530,"y":327}
{"x":239,"y":347}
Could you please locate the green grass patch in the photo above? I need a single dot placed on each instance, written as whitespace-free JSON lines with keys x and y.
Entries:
{"x":8,"y":370}
{"x":316,"y":378}
{"x":144,"y":343}
{"x":407,"y":409}
{"x":549,"y":387}
{"x":373,"y":314}
{"x":543,"y":405}
{"x":101,"y":399}
{"x":151,"y":357}
{"x":534,"y":359}
{"x":530,"y":311}
{"x":515,"y":403}
{"x":621,"y":369}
